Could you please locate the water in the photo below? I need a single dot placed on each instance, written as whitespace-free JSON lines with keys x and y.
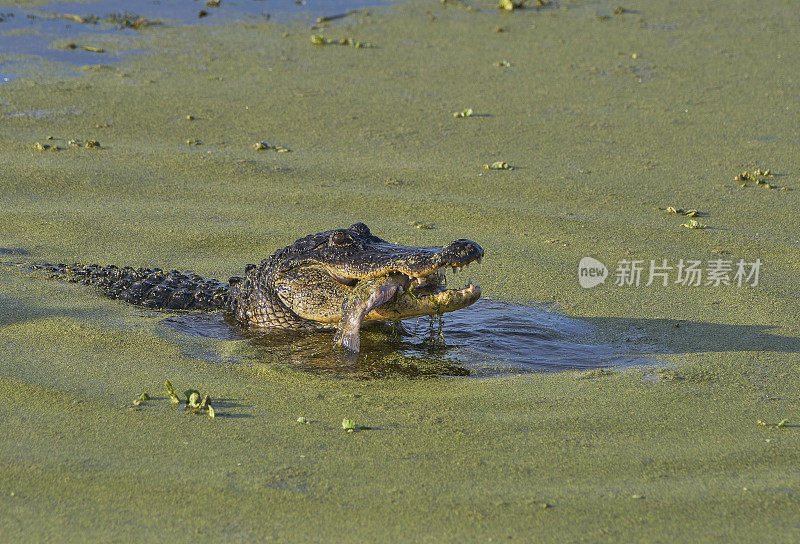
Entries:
{"x":489,"y":338}
{"x":32,"y":31}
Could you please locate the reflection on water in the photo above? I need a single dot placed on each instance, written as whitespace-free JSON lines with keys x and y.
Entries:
{"x":489,"y":338}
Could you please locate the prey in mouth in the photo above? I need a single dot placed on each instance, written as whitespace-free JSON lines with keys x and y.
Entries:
{"x":397,"y":296}
{"x":347,"y":277}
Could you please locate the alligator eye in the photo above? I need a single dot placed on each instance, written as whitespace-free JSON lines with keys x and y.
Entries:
{"x":340,"y":238}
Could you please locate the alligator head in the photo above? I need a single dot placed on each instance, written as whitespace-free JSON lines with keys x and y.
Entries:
{"x":345,"y":277}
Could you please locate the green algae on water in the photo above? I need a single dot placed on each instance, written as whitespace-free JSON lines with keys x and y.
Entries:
{"x":597,"y":144}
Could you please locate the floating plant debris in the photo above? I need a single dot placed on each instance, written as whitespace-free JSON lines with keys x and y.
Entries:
{"x":348,"y":425}
{"x":679,"y":211}
{"x":499,"y":165}
{"x":173,"y":398}
{"x":263,"y":146}
{"x":694,"y":224}
{"x":780,"y":425}
{"x":120,"y":20}
{"x":192,"y":398}
{"x":511,"y":5}
{"x":322,"y":40}
{"x":757,"y":176}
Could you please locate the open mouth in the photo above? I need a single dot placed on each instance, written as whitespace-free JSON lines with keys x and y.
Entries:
{"x":396,"y":296}
{"x":420,"y":283}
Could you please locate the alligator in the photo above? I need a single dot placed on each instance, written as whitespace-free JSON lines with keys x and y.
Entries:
{"x":338,"y":279}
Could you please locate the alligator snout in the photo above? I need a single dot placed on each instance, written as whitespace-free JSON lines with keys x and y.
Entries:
{"x":460,"y":252}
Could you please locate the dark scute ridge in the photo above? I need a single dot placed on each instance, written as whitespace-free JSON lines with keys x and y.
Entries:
{"x":149,"y":287}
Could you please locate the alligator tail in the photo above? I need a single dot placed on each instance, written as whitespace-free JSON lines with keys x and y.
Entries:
{"x":149,"y":287}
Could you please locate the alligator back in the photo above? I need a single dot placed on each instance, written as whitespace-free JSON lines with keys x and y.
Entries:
{"x":150,"y":287}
